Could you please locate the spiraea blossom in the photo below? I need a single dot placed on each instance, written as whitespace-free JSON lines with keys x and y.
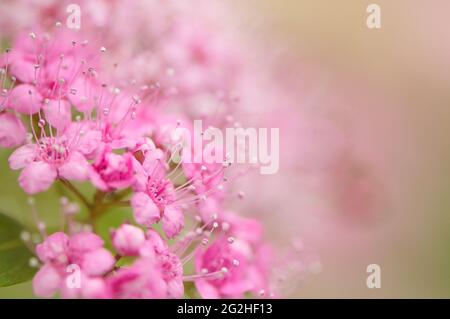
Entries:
{"x":69,"y":124}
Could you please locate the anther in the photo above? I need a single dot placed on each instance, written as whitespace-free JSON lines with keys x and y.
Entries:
{"x":33,"y":262}
{"x":25,"y":236}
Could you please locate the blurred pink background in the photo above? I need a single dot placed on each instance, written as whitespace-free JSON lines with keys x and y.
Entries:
{"x":363,"y":117}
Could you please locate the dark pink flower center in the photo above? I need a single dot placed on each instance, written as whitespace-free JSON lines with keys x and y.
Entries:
{"x":52,"y":152}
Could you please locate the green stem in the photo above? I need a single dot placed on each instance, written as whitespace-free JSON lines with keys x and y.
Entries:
{"x":74,"y":190}
{"x":122,"y":194}
{"x":98,"y":206}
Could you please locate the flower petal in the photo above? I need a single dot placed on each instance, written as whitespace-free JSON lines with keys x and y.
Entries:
{"x":25,"y":99}
{"x":206,"y":289}
{"x":172,"y":221}
{"x":97,"y":262}
{"x":22,"y":156}
{"x":54,"y":248}
{"x":76,"y":168}
{"x":145,"y":211}
{"x":57,"y":113}
{"x":37,"y":177}
{"x":128,"y":239}
{"x":12,"y":131}
{"x":46,"y":281}
{"x":84,"y":242}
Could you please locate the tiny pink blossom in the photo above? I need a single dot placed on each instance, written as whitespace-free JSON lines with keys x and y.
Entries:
{"x":112,"y":171}
{"x":128,"y":240}
{"x":143,"y":280}
{"x":54,"y":248}
{"x":172,"y":270}
{"x":229,"y":269}
{"x":44,"y":162}
{"x":155,"y":196}
{"x":83,"y":250}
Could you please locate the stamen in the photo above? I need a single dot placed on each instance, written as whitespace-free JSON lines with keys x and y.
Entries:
{"x":33,"y":262}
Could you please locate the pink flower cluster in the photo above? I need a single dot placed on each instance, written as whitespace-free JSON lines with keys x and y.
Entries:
{"x":67,"y":125}
{"x":78,"y":266}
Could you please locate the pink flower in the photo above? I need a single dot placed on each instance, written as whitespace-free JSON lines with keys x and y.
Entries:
{"x":46,"y":161}
{"x":82,"y":251}
{"x":115,"y":130}
{"x":12,"y":131}
{"x":46,"y":69}
{"x":112,"y":171}
{"x":170,"y":263}
{"x":154,"y":243}
{"x":153,"y":253}
{"x":223,"y":269}
{"x":128,"y":239}
{"x":143,"y":280}
{"x":156,"y":197}
{"x":88,"y":137}
{"x":54,"y":249}
{"x":172,"y":271}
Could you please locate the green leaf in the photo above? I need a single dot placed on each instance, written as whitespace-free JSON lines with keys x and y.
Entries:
{"x":14,"y":254}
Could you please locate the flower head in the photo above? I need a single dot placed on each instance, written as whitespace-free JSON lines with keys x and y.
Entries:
{"x":82,"y":252}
